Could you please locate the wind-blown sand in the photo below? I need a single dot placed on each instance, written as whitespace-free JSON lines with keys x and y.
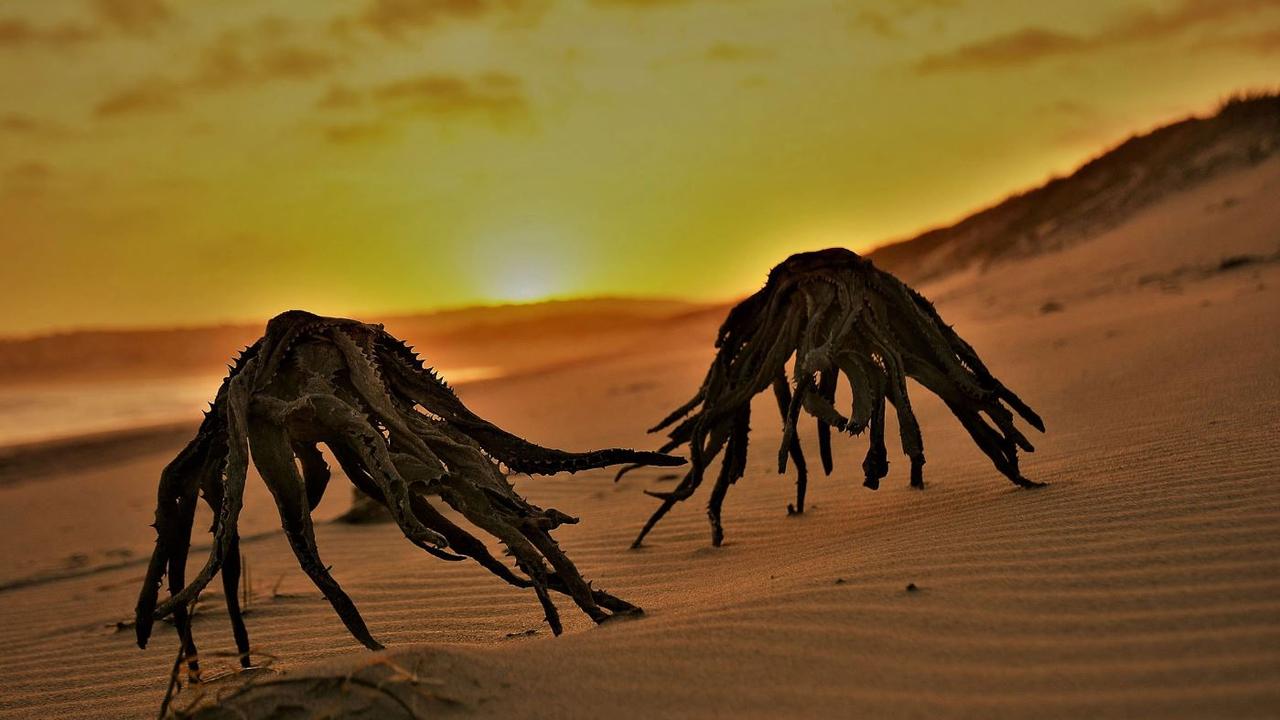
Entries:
{"x":1145,"y":581}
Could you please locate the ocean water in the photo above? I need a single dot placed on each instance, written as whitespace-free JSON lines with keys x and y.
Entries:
{"x":32,"y":413}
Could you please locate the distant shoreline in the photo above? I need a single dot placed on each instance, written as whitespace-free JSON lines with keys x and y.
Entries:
{"x":25,"y":461}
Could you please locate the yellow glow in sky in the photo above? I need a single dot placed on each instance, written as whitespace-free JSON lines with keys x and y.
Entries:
{"x":179,"y":163}
{"x":524,"y":264}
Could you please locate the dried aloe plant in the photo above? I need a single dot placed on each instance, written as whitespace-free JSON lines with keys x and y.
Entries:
{"x":838,"y":315}
{"x":399,"y":433}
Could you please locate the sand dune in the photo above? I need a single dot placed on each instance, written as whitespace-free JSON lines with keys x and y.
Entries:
{"x":1101,"y":195}
{"x":1145,"y":581}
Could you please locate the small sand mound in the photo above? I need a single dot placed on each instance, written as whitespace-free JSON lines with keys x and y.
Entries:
{"x":386,"y":687}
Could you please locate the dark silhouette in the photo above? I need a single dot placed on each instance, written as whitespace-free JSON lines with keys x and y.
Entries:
{"x":838,"y":314}
{"x":358,"y":390}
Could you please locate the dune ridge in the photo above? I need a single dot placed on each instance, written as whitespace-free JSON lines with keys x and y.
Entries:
{"x":1100,"y":195}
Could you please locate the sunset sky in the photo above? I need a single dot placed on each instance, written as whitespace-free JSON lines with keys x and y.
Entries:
{"x":172,"y":162}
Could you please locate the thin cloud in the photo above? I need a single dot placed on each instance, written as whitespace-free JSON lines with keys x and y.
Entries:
{"x":913,"y":6}
{"x":29,"y":126}
{"x":127,"y":16}
{"x":17,"y":33}
{"x":1072,"y":123}
{"x":1143,"y":24}
{"x":222,"y":64}
{"x":234,"y":60}
{"x":31,"y":172}
{"x":296,"y":63}
{"x":640,"y":4}
{"x":730,"y":52}
{"x":26,"y":180}
{"x":1266,"y":42}
{"x":147,"y":96}
{"x":1069,"y":108}
{"x":877,"y":22}
{"x":1030,"y":45}
{"x":1017,"y":48}
{"x":395,"y":19}
{"x":239,"y":58}
{"x":885,"y":21}
{"x":354,"y":133}
{"x":133,"y":16}
{"x":495,"y":94}
{"x":339,"y":97}
{"x":390,"y":18}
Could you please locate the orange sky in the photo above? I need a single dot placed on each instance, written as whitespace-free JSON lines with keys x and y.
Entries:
{"x":181,"y":163}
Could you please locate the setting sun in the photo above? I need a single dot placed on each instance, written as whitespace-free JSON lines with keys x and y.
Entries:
{"x":524,"y":265}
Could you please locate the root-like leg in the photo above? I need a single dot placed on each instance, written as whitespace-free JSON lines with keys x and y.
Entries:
{"x":181,"y":546}
{"x":180,"y":480}
{"x":464,"y":542}
{"x":469,"y":546}
{"x":1002,"y":450}
{"x":876,"y":465}
{"x":1002,"y":453}
{"x":407,"y":376}
{"x":716,"y":502}
{"x":577,"y":587}
{"x":688,"y":485}
{"x":908,"y":426}
{"x":348,"y":429}
{"x":273,"y":455}
{"x":668,"y":502}
{"x":782,"y":392}
{"x":230,"y":581}
{"x":827,"y":390}
{"x":732,"y":467}
{"x":235,"y":411}
{"x":350,"y":462}
{"x":917,"y":472}
{"x":605,"y":600}
{"x":683,"y":491}
{"x":231,"y":578}
{"x":529,"y":560}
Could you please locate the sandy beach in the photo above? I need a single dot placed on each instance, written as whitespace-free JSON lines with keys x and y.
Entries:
{"x":1143,"y":581}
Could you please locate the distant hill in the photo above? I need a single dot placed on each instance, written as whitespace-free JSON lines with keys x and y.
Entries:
{"x":508,"y":338}
{"x":1099,"y":195}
